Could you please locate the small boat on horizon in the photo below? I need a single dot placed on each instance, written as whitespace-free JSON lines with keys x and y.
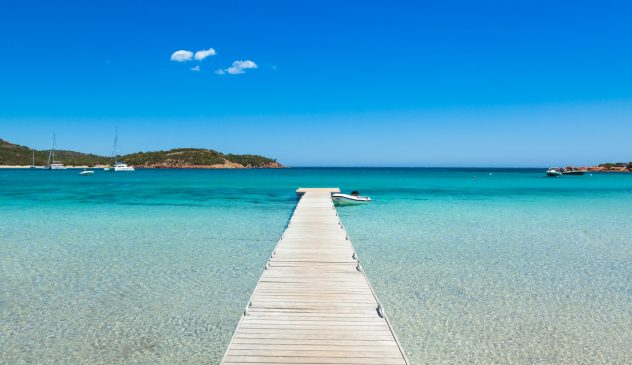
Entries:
{"x":353,"y":198}
{"x":122,"y":166}
{"x":553,"y":172}
{"x":51,"y":164}
{"x":119,"y":166}
{"x":557,"y":172}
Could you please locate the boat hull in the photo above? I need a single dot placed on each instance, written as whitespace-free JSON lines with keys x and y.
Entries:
{"x":122,"y":167}
{"x":345,"y":199}
{"x":574,"y":173}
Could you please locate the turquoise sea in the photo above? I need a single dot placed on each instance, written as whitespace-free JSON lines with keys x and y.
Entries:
{"x":472,"y":265}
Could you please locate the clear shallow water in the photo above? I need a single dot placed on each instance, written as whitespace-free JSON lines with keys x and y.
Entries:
{"x":156,"y":266}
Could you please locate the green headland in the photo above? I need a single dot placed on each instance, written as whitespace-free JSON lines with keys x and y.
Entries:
{"x":17,"y":155}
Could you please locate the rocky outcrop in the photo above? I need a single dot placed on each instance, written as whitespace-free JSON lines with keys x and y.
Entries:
{"x":601,"y":168}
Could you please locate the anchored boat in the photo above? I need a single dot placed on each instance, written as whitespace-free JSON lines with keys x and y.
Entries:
{"x":573,"y":172}
{"x":557,"y":172}
{"x":52,"y":164}
{"x":33,"y":164}
{"x":122,"y":166}
{"x":353,"y":198}
{"x":553,"y":172}
{"x":119,"y":166}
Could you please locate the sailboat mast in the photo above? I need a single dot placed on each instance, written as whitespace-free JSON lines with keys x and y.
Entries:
{"x":51,"y":154}
{"x":116,"y":145}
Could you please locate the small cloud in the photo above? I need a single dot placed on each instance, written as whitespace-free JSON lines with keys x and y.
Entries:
{"x":238,"y":67}
{"x":181,"y":56}
{"x":200,"y":55}
{"x":196,"y":68}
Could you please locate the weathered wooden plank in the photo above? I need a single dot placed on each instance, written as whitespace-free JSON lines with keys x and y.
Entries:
{"x":319,"y":312}
{"x":311,"y":360}
{"x":324,"y":353}
{"x":310,"y":322}
{"x":315,"y":342}
{"x":317,"y":336}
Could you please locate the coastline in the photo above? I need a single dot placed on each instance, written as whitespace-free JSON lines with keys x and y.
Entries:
{"x":222,"y":166}
{"x":42,"y":167}
{"x":605,"y":169}
{"x":14,"y":156}
{"x":239,"y":166}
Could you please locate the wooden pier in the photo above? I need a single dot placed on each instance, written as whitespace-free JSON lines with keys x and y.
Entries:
{"x":313,"y":304}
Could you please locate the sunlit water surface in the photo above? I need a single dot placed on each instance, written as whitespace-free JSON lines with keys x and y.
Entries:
{"x":473,"y":266}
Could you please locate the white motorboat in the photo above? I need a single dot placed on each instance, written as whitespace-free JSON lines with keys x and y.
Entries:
{"x":557,"y":172}
{"x":353,"y":198}
{"x":51,"y":164}
{"x":554,"y":172}
{"x":86,"y":173}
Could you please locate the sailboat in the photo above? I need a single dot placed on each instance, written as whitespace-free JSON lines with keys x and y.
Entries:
{"x":33,"y":164}
{"x":119,"y":166}
{"x":51,"y":164}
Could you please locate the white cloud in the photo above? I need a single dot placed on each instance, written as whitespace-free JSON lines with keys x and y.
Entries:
{"x":181,"y":56}
{"x":200,"y":55}
{"x":196,"y":68}
{"x":238,"y":67}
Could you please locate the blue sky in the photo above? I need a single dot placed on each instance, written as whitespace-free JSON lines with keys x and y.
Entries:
{"x":443,"y":83}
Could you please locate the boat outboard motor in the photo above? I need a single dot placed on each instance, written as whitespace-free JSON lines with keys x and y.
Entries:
{"x":355,"y":193}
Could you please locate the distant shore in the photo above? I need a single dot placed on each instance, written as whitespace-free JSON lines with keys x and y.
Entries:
{"x":218,"y":166}
{"x":621,"y":169}
{"x":17,"y":156}
{"x":41,"y":167}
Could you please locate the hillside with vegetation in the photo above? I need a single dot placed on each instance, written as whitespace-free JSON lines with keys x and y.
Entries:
{"x":196,"y":157}
{"x":17,"y":155}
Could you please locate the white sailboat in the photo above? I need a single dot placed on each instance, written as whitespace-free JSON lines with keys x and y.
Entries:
{"x":122,"y":166}
{"x":51,"y":164}
{"x":33,"y":164}
{"x":119,"y":166}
